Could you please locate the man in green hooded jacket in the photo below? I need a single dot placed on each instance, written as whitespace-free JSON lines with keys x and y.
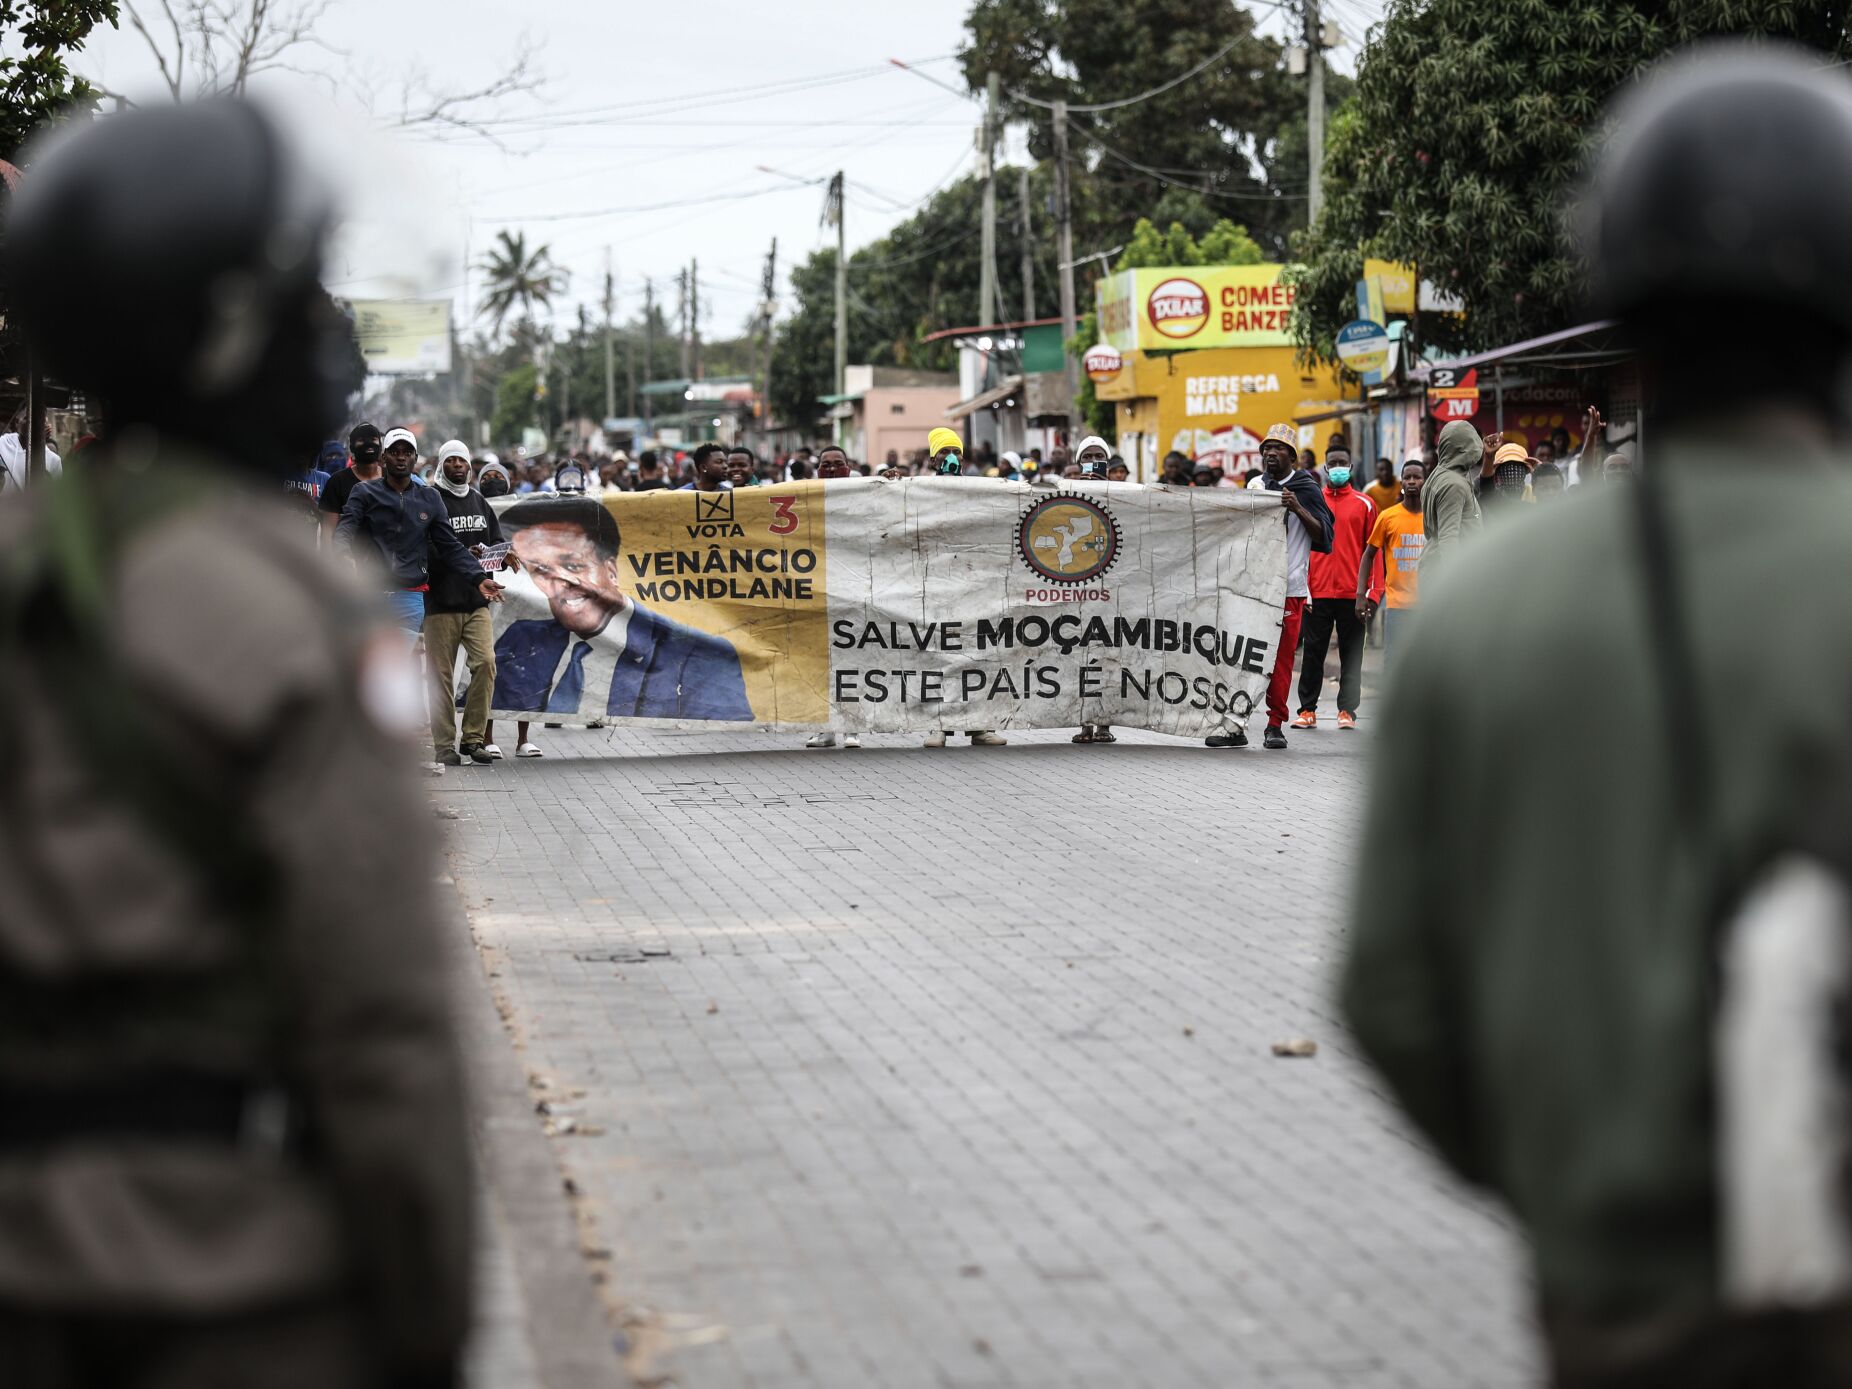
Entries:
{"x":1450,"y":500}
{"x":1565,"y":869}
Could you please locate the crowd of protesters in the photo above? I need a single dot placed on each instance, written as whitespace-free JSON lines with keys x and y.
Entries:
{"x":1355,"y":550}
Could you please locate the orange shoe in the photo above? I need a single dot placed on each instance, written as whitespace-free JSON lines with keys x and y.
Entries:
{"x":1307,"y":719}
{"x":1346,"y":719}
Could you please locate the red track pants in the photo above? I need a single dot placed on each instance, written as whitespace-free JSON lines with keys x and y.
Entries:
{"x":1281,"y":684}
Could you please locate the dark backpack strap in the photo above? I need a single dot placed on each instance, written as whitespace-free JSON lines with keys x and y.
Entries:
{"x":1677,"y":682}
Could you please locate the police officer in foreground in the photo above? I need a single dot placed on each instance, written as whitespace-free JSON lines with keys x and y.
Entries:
{"x":1635,"y":1037}
{"x":232,"y":1141}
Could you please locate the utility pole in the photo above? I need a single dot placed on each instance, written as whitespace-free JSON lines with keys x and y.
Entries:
{"x":694,"y":312}
{"x":681,"y":312}
{"x":1028,"y":245}
{"x":768,"y":301}
{"x":834,"y":209}
{"x":1315,"y":110}
{"x":987,"y":143}
{"x":649,"y":353}
{"x":610,"y":368}
{"x":1064,"y":249}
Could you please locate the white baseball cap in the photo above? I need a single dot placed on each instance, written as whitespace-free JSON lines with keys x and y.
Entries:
{"x":398,"y":436}
{"x":453,"y":448}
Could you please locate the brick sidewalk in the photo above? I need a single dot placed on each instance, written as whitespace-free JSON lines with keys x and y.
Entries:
{"x":952,"y":1068}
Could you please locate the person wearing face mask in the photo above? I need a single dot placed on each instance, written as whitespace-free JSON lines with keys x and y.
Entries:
{"x":363,"y":446}
{"x":1334,"y":604}
{"x":1504,"y":477}
{"x":492,"y":480}
{"x":456,"y":618}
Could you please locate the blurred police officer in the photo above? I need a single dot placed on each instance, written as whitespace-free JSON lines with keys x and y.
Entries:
{"x":1636,"y":1039}
{"x":232,"y":1146}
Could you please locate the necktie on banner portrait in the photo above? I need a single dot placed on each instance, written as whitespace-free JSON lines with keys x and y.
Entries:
{"x":873,"y":605}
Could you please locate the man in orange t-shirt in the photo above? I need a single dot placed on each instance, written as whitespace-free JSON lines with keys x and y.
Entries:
{"x":1398,"y":536}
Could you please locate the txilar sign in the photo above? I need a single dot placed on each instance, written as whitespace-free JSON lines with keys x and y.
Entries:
{"x":1196,"y":306}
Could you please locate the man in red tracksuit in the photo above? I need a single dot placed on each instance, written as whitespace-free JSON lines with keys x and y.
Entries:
{"x":1334,"y":597}
{"x":1308,"y":534}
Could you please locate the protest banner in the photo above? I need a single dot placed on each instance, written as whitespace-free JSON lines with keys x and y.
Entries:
{"x":871,"y":605}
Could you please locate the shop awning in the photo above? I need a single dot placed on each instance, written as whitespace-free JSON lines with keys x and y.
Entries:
{"x":1318,"y":411}
{"x":1011,"y":386}
{"x":1585,"y":345}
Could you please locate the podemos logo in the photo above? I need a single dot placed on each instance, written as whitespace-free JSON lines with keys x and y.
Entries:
{"x":1068,"y":538}
{"x":1178,"y":308}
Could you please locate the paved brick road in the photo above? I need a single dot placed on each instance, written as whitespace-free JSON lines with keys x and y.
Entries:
{"x":952,"y":1068}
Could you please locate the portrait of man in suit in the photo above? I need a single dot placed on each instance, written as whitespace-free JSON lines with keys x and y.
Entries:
{"x":602,"y":654}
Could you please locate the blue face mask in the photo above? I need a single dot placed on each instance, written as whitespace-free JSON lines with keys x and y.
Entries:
{"x":1340,"y":477}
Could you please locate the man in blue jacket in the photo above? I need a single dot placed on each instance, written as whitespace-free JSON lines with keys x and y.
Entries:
{"x":600,"y":645}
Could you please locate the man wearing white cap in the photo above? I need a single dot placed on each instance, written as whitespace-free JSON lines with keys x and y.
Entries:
{"x":456,"y":618}
{"x":407,"y":531}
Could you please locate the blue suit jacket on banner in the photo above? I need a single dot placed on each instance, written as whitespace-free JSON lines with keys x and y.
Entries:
{"x":667,"y":671}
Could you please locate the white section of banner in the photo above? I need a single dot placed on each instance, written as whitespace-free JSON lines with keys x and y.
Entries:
{"x":966,"y":603}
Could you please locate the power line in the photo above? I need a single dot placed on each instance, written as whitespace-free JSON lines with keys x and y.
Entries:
{"x":1149,"y":172}
{"x":1177,"y":81}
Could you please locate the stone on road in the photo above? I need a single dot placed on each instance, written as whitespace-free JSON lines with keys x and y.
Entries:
{"x":955,"y":1068}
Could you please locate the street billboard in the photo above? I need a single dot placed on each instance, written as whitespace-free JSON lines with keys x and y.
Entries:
{"x":876,"y":605}
{"x":1168,"y":308}
{"x":402,"y":337}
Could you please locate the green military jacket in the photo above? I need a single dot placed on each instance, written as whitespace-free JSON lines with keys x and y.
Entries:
{"x":1532,"y":966}
{"x":240,"y":647}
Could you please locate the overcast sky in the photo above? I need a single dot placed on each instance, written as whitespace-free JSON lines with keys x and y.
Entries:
{"x":646,"y":110}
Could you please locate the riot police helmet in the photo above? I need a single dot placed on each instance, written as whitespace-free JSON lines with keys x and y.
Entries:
{"x":168,"y":261}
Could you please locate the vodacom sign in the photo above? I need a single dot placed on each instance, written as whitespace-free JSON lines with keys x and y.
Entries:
{"x":1178,"y":307}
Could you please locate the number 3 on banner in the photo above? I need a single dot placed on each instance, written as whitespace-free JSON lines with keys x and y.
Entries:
{"x":787,"y":518}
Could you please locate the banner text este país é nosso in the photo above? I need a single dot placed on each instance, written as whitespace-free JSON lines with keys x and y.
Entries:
{"x":893,"y":606}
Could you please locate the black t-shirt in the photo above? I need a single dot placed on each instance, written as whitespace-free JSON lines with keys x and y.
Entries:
{"x":340,"y":487}
{"x":475,"y":523}
{"x":650,"y":484}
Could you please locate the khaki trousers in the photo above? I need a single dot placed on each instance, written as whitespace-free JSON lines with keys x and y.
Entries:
{"x":474,"y":634}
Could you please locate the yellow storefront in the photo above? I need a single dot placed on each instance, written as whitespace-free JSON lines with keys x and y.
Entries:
{"x":1199,"y":360}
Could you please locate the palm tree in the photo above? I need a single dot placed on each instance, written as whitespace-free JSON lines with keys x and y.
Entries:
{"x":517,"y":279}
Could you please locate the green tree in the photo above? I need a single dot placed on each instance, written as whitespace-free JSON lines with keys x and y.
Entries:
{"x":36,"y":84}
{"x":1228,"y":141}
{"x":518,"y":279}
{"x":1471,"y":122}
{"x":1223,"y":244}
{"x":514,"y":403}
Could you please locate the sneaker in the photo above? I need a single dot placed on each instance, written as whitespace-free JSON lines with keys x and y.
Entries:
{"x":987,"y":738}
{"x":552,"y":725}
{"x":1237,"y":739}
{"x":528,"y":750}
{"x":851,"y":740}
{"x":820,"y":740}
{"x":1307,"y":719}
{"x":1274,"y":738}
{"x":432,"y":768}
{"x":935,"y":739}
{"x":449,"y":757}
{"x":476,"y":753}
{"x":1084,"y":736}
{"x":1346,"y":719}
{"x":1102,"y":733}
{"x":594,"y":723}
{"x":494,"y":752}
